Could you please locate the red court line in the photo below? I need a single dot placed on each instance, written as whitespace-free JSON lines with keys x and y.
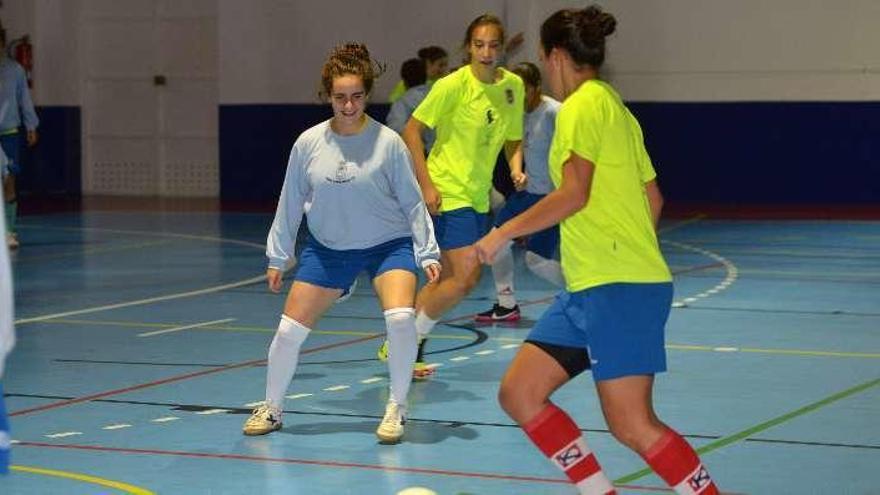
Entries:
{"x":332,"y":464}
{"x":178,"y":378}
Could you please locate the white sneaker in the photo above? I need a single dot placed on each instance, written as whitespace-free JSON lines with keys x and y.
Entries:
{"x":12,"y":241}
{"x":264,"y":419}
{"x":391,"y":428}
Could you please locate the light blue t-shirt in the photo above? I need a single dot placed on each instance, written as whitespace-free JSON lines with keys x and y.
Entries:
{"x":538,"y":130}
{"x":357,"y":192}
{"x":15,"y":97}
{"x":402,"y":109}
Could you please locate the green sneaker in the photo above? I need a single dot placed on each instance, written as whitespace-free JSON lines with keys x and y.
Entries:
{"x":382,"y":353}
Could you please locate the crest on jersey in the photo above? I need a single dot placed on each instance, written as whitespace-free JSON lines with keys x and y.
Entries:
{"x":509,"y":93}
{"x":343,"y":174}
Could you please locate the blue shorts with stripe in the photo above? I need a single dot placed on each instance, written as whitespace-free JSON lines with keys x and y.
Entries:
{"x":622,"y":325}
{"x":459,"y":228}
{"x":544,"y":243}
{"x":337,"y":269}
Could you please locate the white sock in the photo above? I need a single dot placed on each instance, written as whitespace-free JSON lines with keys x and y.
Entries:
{"x":402,"y":348}
{"x":283,"y":356}
{"x":549,"y":270}
{"x":502,"y":272}
{"x":424,"y":325}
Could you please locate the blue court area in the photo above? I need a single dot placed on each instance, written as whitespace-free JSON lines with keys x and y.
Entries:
{"x":142,"y":338}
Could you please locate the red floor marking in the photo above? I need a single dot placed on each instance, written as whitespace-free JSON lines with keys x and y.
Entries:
{"x":334,"y":464}
{"x":178,"y":378}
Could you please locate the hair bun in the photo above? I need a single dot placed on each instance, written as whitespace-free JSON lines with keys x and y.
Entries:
{"x":357,"y":51}
{"x":595,"y":20}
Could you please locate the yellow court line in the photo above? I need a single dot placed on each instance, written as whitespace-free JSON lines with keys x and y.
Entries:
{"x":124,"y":487}
{"x":791,"y":352}
{"x":236,"y":328}
{"x":678,"y":347}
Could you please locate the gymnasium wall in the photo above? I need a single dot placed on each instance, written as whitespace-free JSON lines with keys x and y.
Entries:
{"x":749,"y":101}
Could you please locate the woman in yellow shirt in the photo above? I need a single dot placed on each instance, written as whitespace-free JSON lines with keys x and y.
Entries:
{"x":612,"y":315}
{"x":475,"y":111}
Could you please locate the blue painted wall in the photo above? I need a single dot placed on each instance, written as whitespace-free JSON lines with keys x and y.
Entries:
{"x":785,"y":152}
{"x":779,"y":152}
{"x":53,"y":167}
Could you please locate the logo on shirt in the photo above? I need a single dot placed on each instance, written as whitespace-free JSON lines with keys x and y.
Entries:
{"x":509,"y":93}
{"x":343,"y":174}
{"x":489,"y":117}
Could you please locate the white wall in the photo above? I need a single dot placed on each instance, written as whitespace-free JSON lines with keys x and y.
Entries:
{"x":664,"y":50}
{"x":270,"y":51}
{"x":52,"y":27}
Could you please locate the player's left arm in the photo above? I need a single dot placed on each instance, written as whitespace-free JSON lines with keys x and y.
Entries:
{"x":655,"y":200}
{"x":514,"y":154}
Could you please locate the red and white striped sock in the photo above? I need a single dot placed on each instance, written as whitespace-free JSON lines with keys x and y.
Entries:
{"x":674,"y":460}
{"x":559,"y":438}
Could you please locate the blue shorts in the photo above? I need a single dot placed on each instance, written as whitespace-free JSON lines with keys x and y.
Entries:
{"x":545,"y":242}
{"x":337,"y":269}
{"x":622,"y":325}
{"x":460,"y":228}
{"x":11,"y":144}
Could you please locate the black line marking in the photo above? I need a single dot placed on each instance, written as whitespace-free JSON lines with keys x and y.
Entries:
{"x":246,"y":411}
{"x":446,"y":422}
{"x":480,"y":337}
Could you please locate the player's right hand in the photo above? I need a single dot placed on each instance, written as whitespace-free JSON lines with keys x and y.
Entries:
{"x":274,"y":277}
{"x":432,"y":199}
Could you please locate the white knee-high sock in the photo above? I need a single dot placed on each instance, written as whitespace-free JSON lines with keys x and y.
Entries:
{"x":402,"y":347}
{"x":424,"y":325}
{"x":283,"y":357}
{"x":502,"y":272}
{"x":549,"y":270}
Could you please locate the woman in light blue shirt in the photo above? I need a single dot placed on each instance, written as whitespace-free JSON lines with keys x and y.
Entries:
{"x":353,"y":179}
{"x":16,"y":108}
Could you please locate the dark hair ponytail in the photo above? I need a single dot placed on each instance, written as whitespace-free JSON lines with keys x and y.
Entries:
{"x":581,"y":33}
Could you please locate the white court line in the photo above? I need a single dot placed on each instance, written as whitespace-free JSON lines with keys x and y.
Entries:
{"x":186,"y":327}
{"x":139,"y":302}
{"x":298,"y":396}
{"x":165,"y":419}
{"x":372,"y":380}
{"x":208,"y":412}
{"x":116,"y":427}
{"x":336,"y":388}
{"x":65,"y":434}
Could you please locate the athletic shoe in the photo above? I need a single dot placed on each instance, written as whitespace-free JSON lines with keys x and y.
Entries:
{"x":390,"y":430}
{"x":382,"y":351}
{"x":264,"y":419}
{"x":499,"y":313}
{"x":12,"y":241}
{"x":421,"y":368}
{"x":346,"y":294}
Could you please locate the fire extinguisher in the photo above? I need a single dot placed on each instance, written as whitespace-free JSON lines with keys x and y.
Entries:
{"x":22,"y":51}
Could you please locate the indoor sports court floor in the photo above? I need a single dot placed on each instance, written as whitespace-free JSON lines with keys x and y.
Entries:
{"x":142,"y":337}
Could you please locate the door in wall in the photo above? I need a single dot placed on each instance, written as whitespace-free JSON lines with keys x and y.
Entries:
{"x":150,"y":97}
